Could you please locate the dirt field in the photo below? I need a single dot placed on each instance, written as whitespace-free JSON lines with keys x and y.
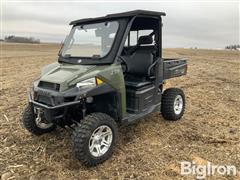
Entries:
{"x":152,"y":148}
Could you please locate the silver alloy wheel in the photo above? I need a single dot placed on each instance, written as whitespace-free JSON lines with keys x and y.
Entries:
{"x":40,"y":124}
{"x":100,"y":141}
{"x":178,"y":104}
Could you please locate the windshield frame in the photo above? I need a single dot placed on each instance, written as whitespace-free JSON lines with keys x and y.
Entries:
{"x":106,"y":59}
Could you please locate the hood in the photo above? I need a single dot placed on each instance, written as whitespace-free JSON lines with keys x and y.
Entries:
{"x":64,"y":73}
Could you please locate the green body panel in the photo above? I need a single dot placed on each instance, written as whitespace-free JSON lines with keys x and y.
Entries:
{"x":63,"y":73}
{"x":67,"y":75}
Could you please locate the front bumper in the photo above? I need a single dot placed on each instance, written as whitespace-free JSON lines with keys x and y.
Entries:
{"x":44,"y":106}
{"x":55,"y":104}
{"x":58,"y":105}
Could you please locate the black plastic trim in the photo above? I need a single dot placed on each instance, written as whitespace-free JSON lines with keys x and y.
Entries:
{"x":51,"y":107}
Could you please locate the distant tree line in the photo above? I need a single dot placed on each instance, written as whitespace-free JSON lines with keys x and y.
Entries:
{"x":233,"y":47}
{"x":18,"y":39}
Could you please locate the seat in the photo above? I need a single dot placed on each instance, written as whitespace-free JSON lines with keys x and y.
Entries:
{"x":136,"y":84}
{"x":138,"y":63}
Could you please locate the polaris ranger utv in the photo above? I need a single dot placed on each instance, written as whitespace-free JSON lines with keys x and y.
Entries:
{"x":110,"y":72}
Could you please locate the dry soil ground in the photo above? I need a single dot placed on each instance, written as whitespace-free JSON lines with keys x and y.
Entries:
{"x":152,"y":148}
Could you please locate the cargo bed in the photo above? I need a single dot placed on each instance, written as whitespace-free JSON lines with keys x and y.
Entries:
{"x":174,"y":68}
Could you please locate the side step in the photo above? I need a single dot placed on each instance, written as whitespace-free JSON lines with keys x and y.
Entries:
{"x":131,"y":118}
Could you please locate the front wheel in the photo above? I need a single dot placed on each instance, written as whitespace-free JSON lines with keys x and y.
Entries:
{"x":173,"y":104}
{"x":94,"y":139}
{"x":35,"y":123}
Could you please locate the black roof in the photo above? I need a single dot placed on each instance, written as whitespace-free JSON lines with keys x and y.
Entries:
{"x":120,"y":15}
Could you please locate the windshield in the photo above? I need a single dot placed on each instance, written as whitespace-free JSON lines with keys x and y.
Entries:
{"x":91,"y":40}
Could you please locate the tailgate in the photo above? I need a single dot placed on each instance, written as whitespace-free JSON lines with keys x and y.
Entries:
{"x":174,"y":68}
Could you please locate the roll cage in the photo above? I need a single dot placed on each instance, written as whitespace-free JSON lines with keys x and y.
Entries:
{"x":128,"y":21}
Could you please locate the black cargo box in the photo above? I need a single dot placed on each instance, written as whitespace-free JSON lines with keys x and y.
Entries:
{"x":174,"y":68}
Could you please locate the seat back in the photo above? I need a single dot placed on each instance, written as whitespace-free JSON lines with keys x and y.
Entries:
{"x":139,"y":62}
{"x":140,"y":58}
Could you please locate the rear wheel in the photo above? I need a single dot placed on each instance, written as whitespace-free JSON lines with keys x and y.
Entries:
{"x":173,"y":104}
{"x":35,"y":123}
{"x":94,"y":139}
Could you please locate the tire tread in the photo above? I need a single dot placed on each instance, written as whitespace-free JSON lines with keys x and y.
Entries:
{"x":168,"y":98}
{"x":81,"y":136}
{"x":28,"y":120}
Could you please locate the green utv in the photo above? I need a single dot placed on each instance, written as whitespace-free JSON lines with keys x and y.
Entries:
{"x":110,"y":72}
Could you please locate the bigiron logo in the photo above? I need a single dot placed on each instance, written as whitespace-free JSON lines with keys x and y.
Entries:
{"x":201,"y":171}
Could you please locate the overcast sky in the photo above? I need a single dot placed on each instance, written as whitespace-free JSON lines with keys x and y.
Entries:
{"x":206,"y":24}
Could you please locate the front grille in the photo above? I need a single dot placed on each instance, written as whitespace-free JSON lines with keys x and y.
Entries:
{"x":44,"y":99}
{"x":48,"y":85}
{"x":69,"y":99}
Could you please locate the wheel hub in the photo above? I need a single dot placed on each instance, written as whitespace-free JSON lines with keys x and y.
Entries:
{"x":39,"y":121}
{"x":178,"y":104}
{"x":100,"y":141}
{"x":97,"y":139}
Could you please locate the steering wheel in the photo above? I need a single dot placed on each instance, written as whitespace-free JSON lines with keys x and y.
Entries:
{"x":123,"y":64}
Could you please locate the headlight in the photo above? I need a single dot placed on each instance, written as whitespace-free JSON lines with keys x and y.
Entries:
{"x":89,"y":83}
